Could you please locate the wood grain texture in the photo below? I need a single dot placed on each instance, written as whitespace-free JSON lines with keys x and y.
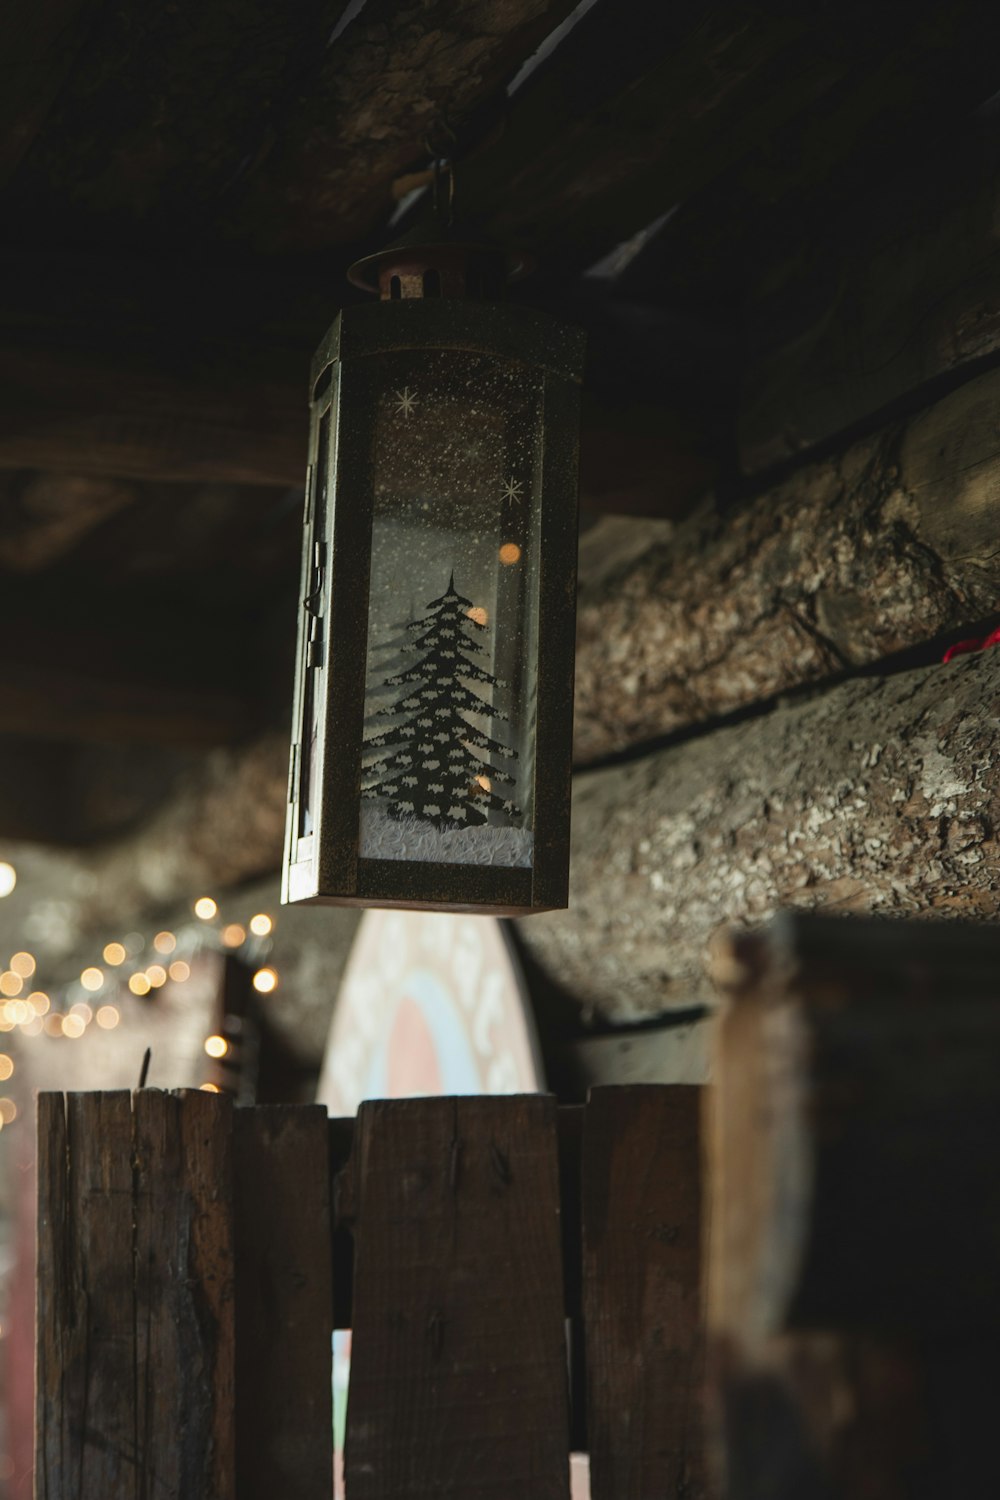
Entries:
{"x":142,"y":144}
{"x":642,"y":1235}
{"x":854,"y":1211}
{"x":855,"y":1123}
{"x":284,"y":1303}
{"x":880,"y":795}
{"x":888,"y":544}
{"x":184,"y":1303}
{"x":86,"y":1416}
{"x":902,"y":289}
{"x":401,"y":74}
{"x":458,"y":1366}
{"x":39,"y":43}
{"x":127,"y":415}
{"x":642,"y":107}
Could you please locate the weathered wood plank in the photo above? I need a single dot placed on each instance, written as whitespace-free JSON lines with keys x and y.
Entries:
{"x":53,"y":702}
{"x":184,"y":1304}
{"x":642,"y":1236}
{"x":853,"y":1123}
{"x":221,"y":398}
{"x":39,"y":44}
{"x":855,"y":1116}
{"x":902,"y":288}
{"x":403,"y":72}
{"x":46,"y":518}
{"x":889,"y":544}
{"x":69,"y":410}
{"x":142,"y":144}
{"x":638,"y":110}
{"x":458,"y":1365}
{"x":86,"y":1417}
{"x":725,"y":245}
{"x":54,"y":1310}
{"x":284,"y":1302}
{"x":878,"y":796}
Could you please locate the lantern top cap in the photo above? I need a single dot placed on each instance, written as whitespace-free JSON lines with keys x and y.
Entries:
{"x":439,"y":261}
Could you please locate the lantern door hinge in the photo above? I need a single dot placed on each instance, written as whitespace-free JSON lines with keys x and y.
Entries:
{"x":293,"y":775}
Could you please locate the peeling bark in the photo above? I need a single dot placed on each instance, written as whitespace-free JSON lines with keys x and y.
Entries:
{"x":882,"y":795}
{"x":889,"y":544}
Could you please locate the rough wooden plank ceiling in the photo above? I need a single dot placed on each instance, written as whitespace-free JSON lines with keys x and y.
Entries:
{"x":184,"y":190}
{"x":185,"y":120}
{"x":39,"y":43}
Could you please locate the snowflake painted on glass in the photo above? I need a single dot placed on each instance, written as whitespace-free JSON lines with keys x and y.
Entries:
{"x":406,"y":400}
{"x":512,"y":490}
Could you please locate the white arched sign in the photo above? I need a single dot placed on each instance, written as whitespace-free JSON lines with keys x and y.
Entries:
{"x":430,"y":1003}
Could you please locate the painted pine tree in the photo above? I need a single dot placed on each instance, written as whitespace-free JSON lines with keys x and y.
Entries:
{"x":428,"y":758}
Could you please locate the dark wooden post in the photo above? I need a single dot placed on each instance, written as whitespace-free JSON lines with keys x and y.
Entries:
{"x":458,"y":1361}
{"x":86,"y":1422}
{"x":855,"y":1171}
{"x":642,"y":1292}
{"x":284,"y":1303}
{"x":153,"y":1355}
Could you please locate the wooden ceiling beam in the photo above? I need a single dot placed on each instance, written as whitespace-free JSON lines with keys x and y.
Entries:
{"x":280,"y":126}
{"x":636,"y":113}
{"x":404,"y":77}
{"x":58,"y":704}
{"x":132,"y":384}
{"x":45,"y":516}
{"x":39,"y":43}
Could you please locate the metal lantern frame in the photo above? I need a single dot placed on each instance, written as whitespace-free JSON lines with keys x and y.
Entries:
{"x":323,"y":863}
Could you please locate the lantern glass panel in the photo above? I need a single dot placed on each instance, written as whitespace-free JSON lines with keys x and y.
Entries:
{"x":450,"y":685}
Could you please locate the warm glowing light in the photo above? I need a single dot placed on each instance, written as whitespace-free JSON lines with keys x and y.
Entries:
{"x":10,"y":983}
{"x":233,"y":935}
{"x":6,"y":1067}
{"x":5,"y":1024}
{"x":23,"y":964}
{"x":478,"y":613}
{"x":261,"y":924}
{"x":216,"y":1046}
{"x":205,"y":908}
{"x":53,"y":1025}
{"x":19,"y":1011}
{"x":179,"y":971}
{"x":92,"y":979}
{"x":510,"y":552}
{"x":8,"y":878}
{"x":139,"y":984}
{"x":165,"y":942}
{"x":210,"y":1088}
{"x":485,"y":783}
{"x":8,"y":1111}
{"x":108,"y":1017}
{"x":264,"y":981}
{"x":32,"y":1027}
{"x":115,"y":954}
{"x":39,"y":1002}
{"x":73,"y":1026}
{"x":157,"y":975}
{"x":83,"y":1010}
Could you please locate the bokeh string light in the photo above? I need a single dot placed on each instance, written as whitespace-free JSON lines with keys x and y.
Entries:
{"x":60,"y":1012}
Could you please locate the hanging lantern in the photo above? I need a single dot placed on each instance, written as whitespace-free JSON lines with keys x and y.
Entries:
{"x":433,"y":720}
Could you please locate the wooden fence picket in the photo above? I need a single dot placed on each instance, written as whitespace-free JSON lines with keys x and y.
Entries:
{"x":284,"y":1303}
{"x":458,"y":1363}
{"x":642,"y":1228}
